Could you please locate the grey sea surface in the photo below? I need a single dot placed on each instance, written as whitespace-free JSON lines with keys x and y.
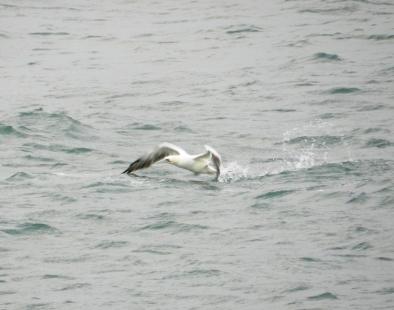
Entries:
{"x":297,"y":97}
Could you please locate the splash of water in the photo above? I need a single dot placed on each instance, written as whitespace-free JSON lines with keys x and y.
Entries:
{"x":233,"y":172}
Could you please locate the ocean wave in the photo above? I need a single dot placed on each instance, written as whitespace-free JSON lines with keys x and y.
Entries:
{"x":381,"y":37}
{"x":173,"y":226}
{"x":379,"y":143}
{"x":323,"y":296}
{"x":242,"y":29}
{"x":49,"y":33}
{"x":57,"y":148}
{"x":30,"y":228}
{"x":8,"y":130}
{"x":54,"y":125}
{"x":343,"y":90}
{"x":326,"y":57}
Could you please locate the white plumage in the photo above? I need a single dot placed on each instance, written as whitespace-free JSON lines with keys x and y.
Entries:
{"x":208,"y":162}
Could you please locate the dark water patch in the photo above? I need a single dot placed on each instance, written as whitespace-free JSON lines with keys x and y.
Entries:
{"x":297,"y":289}
{"x":372,"y":107}
{"x":147,"y":82}
{"x":323,"y":296}
{"x":372,"y":82}
{"x":147,"y":127}
{"x":4,"y":36}
{"x":242,"y":29}
{"x":386,"y":291}
{"x":159,"y":225}
{"x":56,"y":276}
{"x":41,"y":49}
{"x":337,"y":10}
{"x":275,"y":194}
{"x":260,"y":205}
{"x":381,"y":37}
{"x":310,"y":259}
{"x":379,"y":143}
{"x":7,"y":292}
{"x":173,"y":226}
{"x":38,"y":158}
{"x":74,"y":286}
{"x":359,"y":198}
{"x":362,"y":246}
{"x":91,"y":216}
{"x":183,"y":128}
{"x":31,"y":229}
{"x":139,"y":126}
{"x":323,"y":102}
{"x":351,"y":256}
{"x":343,"y":90}
{"x":305,"y":84}
{"x":111,"y":244}
{"x":20,"y":176}
{"x":375,"y":130}
{"x":280,"y":110}
{"x":8,"y":130}
{"x":48,"y":33}
{"x":91,"y":37}
{"x":385,"y":259}
{"x":316,"y":141}
{"x":58,"y":164}
{"x":298,"y":43}
{"x":362,"y":229}
{"x":326,"y":57}
{"x":123,"y":95}
{"x":75,"y":150}
{"x":331,"y":115}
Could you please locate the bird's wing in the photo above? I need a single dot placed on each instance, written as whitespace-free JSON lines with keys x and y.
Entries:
{"x":203,"y":156}
{"x":216,"y":159}
{"x":161,"y":151}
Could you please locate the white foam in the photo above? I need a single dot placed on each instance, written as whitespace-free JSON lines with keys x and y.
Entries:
{"x":233,"y":172}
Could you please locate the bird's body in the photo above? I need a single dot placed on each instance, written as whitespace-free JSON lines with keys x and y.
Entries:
{"x":208,"y":162}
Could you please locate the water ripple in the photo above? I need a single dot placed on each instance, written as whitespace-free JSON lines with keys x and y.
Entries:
{"x":326,"y":57}
{"x":30,"y":229}
{"x":326,"y":295}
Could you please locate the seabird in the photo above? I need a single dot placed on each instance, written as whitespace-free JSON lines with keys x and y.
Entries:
{"x":208,"y":162}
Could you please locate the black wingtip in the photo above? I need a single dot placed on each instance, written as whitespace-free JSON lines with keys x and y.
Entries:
{"x":126,"y":171}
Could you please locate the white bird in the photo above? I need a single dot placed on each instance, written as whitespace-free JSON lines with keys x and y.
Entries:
{"x":208,"y":162}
